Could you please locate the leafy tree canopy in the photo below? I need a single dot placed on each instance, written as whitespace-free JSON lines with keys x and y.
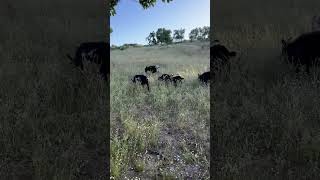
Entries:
{"x":200,"y":33}
{"x":144,"y":3}
{"x":178,"y":34}
{"x":163,"y":36}
{"x":152,"y":40}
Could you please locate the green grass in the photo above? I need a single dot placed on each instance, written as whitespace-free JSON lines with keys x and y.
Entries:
{"x":265,"y":120}
{"x":53,"y":120}
{"x":170,"y":121}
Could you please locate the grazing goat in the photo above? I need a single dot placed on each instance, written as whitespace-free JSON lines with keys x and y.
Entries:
{"x":170,"y":78}
{"x":205,"y":77}
{"x":165,"y":77}
{"x":219,"y":51}
{"x":142,"y":79}
{"x":304,"y":50}
{"x":152,"y":69}
{"x":176,"y":79}
{"x":220,"y":55}
{"x":97,"y":52}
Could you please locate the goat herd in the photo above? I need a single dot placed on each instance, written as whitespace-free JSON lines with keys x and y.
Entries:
{"x":219,"y":54}
{"x":303,"y":50}
{"x":167,"y":78}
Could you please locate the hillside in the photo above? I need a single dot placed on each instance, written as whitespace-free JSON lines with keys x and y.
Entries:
{"x":163,"y":133}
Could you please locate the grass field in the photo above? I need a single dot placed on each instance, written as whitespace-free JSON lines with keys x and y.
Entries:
{"x":53,"y":120}
{"x":265,"y":120}
{"x":163,"y":133}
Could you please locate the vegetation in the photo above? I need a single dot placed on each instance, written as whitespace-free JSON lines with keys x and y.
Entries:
{"x":164,"y":36}
{"x":125,"y":46}
{"x":113,"y":4}
{"x":204,"y":33}
{"x":152,"y":39}
{"x":54,"y":120}
{"x":200,"y":33}
{"x":144,"y":3}
{"x":178,"y":35}
{"x":265,"y":119}
{"x":162,"y":134}
{"x":114,"y":47}
{"x":194,"y":33}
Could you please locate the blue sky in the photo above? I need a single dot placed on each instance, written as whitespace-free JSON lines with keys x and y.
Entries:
{"x":132,"y":24}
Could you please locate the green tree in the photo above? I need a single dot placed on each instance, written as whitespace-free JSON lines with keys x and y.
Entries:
{"x":178,"y":34}
{"x":204,"y":33}
{"x":164,"y":36}
{"x":200,"y":37}
{"x":152,"y":40}
{"x":144,"y":3}
{"x":200,"y":33}
{"x":193,"y":35}
{"x":113,"y":4}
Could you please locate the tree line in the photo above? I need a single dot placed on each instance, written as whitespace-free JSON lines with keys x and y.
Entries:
{"x":163,"y":36}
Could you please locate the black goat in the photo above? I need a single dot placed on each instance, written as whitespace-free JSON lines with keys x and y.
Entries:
{"x":142,"y":79}
{"x":165,"y":77}
{"x":171,"y":78}
{"x":205,"y":77}
{"x":152,"y":69}
{"x":220,"y":55}
{"x":304,"y":50}
{"x":176,"y":79}
{"x":97,"y":52}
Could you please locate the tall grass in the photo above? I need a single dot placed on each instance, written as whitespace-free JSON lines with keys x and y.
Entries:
{"x":265,"y":120}
{"x":53,"y":119}
{"x":163,"y":133}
